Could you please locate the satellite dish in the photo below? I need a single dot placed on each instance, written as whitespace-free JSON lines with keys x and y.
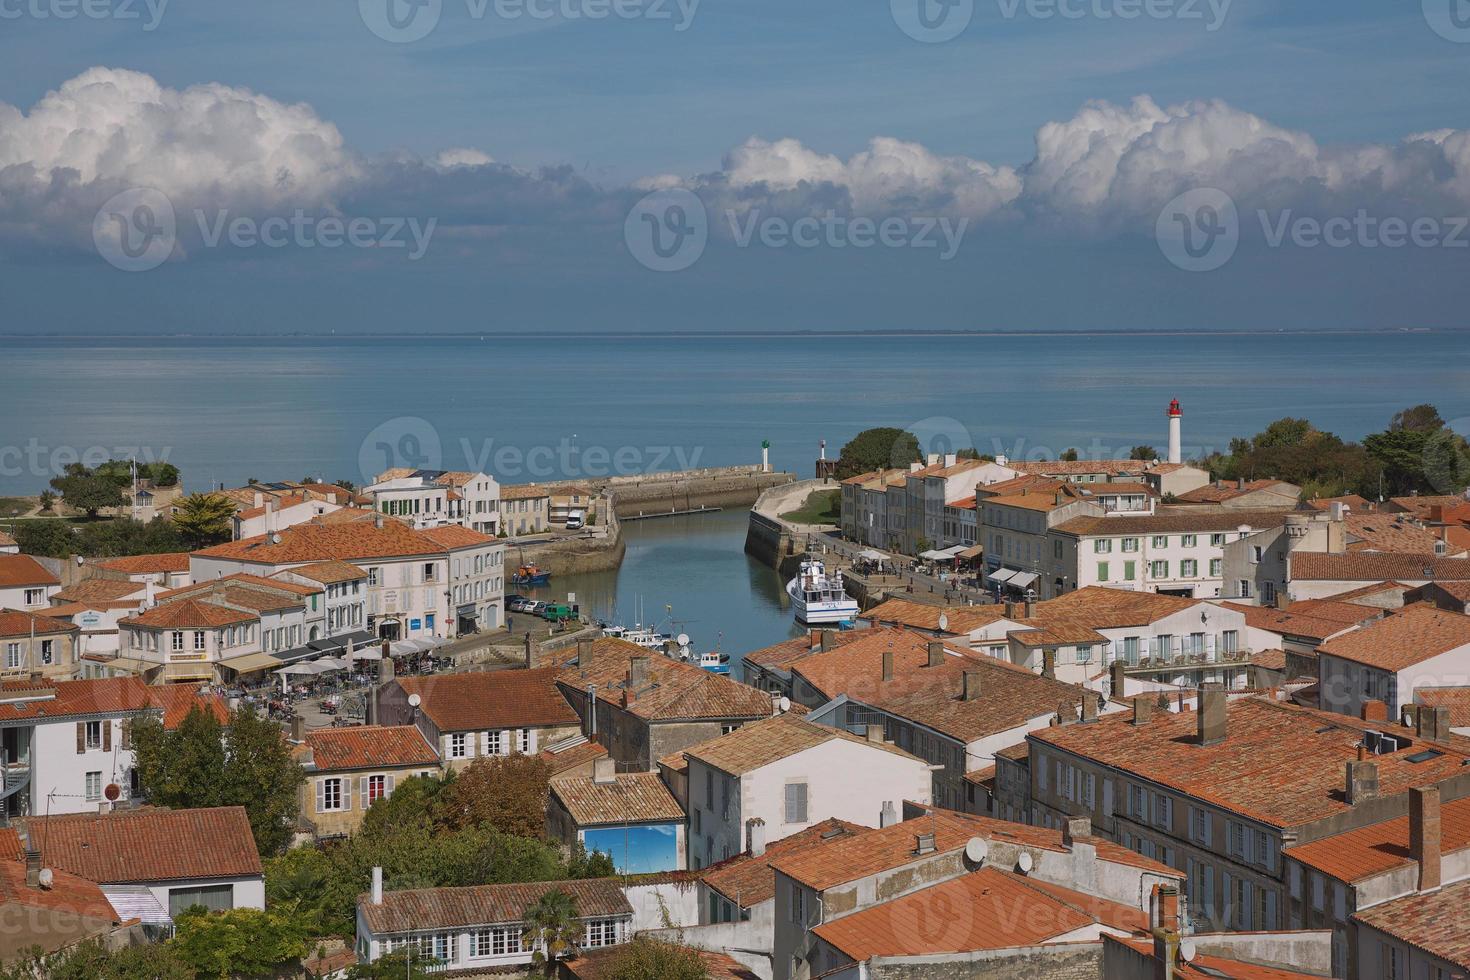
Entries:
{"x":682,"y":639}
{"x":784,"y":704}
{"x":275,"y":539}
{"x":975,"y":850}
{"x":414,"y":700}
{"x":1023,"y":863}
{"x":1188,"y":950}
{"x":112,"y":792}
{"x":943,"y":623}
{"x":47,"y":878}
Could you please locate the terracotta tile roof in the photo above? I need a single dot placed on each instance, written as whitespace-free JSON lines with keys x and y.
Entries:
{"x":486,"y":700}
{"x":177,"y":700}
{"x":986,"y":909}
{"x":965,"y":503}
{"x":346,"y":540}
{"x":103,"y":696}
{"x":14,"y":622}
{"x":1375,"y":566}
{"x":189,"y":614}
{"x":1390,"y":532}
{"x":1104,"y":608}
{"x":769,"y":740}
{"x":279,"y":503}
{"x":1078,"y":467}
{"x":22,"y":570}
{"x":748,"y":880}
{"x":242,"y":579}
{"x":68,"y":895}
{"x":1350,"y":613}
{"x":1435,"y":923}
{"x":778,"y":656}
{"x":1206,"y":967}
{"x":369,"y":747}
{"x":1169,"y":520}
{"x":1424,"y":505}
{"x":984,"y":776}
{"x":1225,"y":490}
{"x":1368,"y":851}
{"x":918,"y":615}
{"x":452,"y":537}
{"x":1279,"y":764}
{"x":6,"y":541}
{"x":1408,"y":637}
{"x":597,"y":964}
{"x":1457,"y":699}
{"x":1028,"y":481}
{"x":1353,"y":501}
{"x":674,"y":690}
{"x":857,"y":665}
{"x":871,"y":851}
{"x":1054,"y":632}
{"x":1369,"y":591}
{"x":1273,"y":659}
{"x":11,"y":848}
{"x":149,"y":845}
{"x":1044,"y":501}
{"x":523,"y":491}
{"x":100,"y":590}
{"x":147,"y":564}
{"x":632,"y":797}
{"x":1288,"y":623}
{"x":577,"y":755}
{"x":418,"y":909}
{"x":329,"y":572}
{"x":1455,"y":590}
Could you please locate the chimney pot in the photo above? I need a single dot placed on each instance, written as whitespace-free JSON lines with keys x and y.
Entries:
{"x":972,"y":688}
{"x":1425,"y":835}
{"x":1049,"y":663}
{"x":377,"y":895}
{"x":1374,"y":710}
{"x":604,"y":771}
{"x":1143,"y":710}
{"x":637,"y":671}
{"x":33,"y":868}
{"x":888,"y":665}
{"x":755,"y":836}
{"x":1089,"y":706}
{"x":1211,"y":721}
{"x":298,"y":729}
{"x":1362,"y":781}
{"x":1030,"y":608}
{"x":924,"y":844}
{"x":1075,"y":828}
{"x":936,"y":653}
{"x":1240,"y":483}
{"x":829,"y":640}
{"x":874,"y":732}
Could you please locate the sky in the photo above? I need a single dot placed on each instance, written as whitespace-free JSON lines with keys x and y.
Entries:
{"x":194,"y":166}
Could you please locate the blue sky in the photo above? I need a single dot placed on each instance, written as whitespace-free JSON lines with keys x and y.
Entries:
{"x":620,"y":106}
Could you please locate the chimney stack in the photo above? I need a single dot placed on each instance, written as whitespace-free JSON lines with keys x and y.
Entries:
{"x":888,"y":665}
{"x":887,"y":814}
{"x":33,"y":868}
{"x":1010,"y":609}
{"x":874,"y":732}
{"x":1089,"y":706}
{"x":924,"y":844}
{"x":604,"y":771}
{"x":1165,"y":915}
{"x":1143,"y":710}
{"x":1211,"y":721}
{"x":1432,"y":723}
{"x":755,"y":836}
{"x":1164,"y":907}
{"x":1048,"y":663}
{"x":298,"y":729}
{"x":1075,"y":828}
{"x":1117,"y":678}
{"x":637,"y":671}
{"x":1362,"y":781}
{"x":1240,"y":483}
{"x":829,"y":640}
{"x":1030,"y":608}
{"x":1374,"y":710}
{"x":1424,"y":835}
{"x":936,"y":653}
{"x":378,"y":520}
{"x":377,"y":896}
{"x":815,"y":638}
{"x":971,"y":690}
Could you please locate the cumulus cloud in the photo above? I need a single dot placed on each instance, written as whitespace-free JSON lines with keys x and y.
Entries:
{"x":462,"y":157}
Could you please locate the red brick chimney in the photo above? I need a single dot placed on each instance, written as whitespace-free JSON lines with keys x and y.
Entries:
{"x":1424,"y":835}
{"x":1376,"y":711}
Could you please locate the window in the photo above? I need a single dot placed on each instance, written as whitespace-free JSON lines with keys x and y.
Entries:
{"x":215,"y":898}
{"x":1245,"y":588}
{"x":1158,"y":569}
{"x":1188,"y":568}
{"x":795,"y":803}
{"x":1161,"y":541}
{"x":94,"y":735}
{"x":600,"y":932}
{"x":94,"y":786}
{"x":1102,"y":546}
{"x":12,"y":655}
{"x":1217,"y":567}
{"x":1130,"y":544}
{"x":377,"y":787}
{"x":500,"y":941}
{"x":1199,"y":826}
{"x":1256,"y":553}
{"x":48,"y":651}
{"x":1163,"y":811}
{"x":330,"y":795}
{"x":35,"y":597}
{"x":1268,"y":592}
{"x":1237,"y":840}
{"x":1102,"y":571}
{"x":372,"y":576}
{"x":177,"y":640}
{"x":1128,"y":571}
{"x":1392,"y":968}
{"x":198,"y":639}
{"x":495,"y":743}
{"x":1217,"y":540}
{"x":1188,"y":541}
{"x":459,"y":745}
{"x":428,"y":571}
{"x":1084,"y":654}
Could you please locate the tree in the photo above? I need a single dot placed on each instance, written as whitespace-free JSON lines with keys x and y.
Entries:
{"x":1420,"y":418}
{"x":124,"y":536}
{"x":239,"y":942}
{"x":397,"y":965}
{"x":552,"y":929}
{"x":87,"y":491}
{"x":1418,"y":453}
{"x":417,"y":801}
{"x":199,"y":764}
{"x":652,"y":959}
{"x":48,"y":501}
{"x":1294,"y":450}
{"x":204,"y":518}
{"x":876,"y":449}
{"x":49,"y":538}
{"x":1146,"y":453}
{"x":1069,"y":456}
{"x":91,"y":960}
{"x":507,"y":792}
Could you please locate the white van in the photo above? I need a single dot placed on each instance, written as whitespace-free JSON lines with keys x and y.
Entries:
{"x":575,"y":519}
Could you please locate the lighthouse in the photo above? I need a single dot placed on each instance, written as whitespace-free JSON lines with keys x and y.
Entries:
{"x":1176,"y":416}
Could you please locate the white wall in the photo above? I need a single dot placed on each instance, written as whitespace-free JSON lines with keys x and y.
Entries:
{"x":57,"y":768}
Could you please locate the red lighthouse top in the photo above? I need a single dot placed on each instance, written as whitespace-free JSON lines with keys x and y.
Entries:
{"x":1174,"y":410}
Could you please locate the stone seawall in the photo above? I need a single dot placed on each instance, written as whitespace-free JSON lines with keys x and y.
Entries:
{"x":736,"y":486}
{"x":776,"y":542}
{"x":572,"y":556}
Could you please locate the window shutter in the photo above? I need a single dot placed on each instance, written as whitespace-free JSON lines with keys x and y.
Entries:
{"x":362,"y":795}
{"x":81,"y":737}
{"x":107,"y":735}
{"x":347,"y":794}
{"x":321,"y":794}
{"x":387,"y":785}
{"x":127,"y":734}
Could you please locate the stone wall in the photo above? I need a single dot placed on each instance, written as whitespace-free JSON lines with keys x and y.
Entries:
{"x":1073,"y":961}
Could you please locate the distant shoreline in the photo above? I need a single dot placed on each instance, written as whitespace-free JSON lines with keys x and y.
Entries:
{"x":489,"y":335}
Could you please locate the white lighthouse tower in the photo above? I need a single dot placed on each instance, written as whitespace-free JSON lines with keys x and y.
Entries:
{"x":1176,"y":417}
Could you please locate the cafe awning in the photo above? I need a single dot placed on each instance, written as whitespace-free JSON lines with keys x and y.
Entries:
{"x":250,"y":662}
{"x":1022,"y":580}
{"x":1001,"y":575}
{"x":974,"y":552}
{"x":871,"y":555}
{"x":935,"y":555}
{"x":188,"y":672}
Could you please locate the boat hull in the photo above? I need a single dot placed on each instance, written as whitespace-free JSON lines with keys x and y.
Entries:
{"x":821,"y":613}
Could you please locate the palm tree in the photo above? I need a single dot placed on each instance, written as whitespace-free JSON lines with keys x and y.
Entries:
{"x":553,"y":930}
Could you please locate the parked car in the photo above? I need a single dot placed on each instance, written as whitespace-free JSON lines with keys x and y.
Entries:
{"x":520,"y":604}
{"x":556,"y":612}
{"x":535,"y":608}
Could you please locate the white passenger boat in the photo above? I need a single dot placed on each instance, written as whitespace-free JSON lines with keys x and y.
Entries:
{"x":818,"y":597}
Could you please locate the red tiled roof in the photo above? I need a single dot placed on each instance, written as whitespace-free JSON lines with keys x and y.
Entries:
{"x":1411,"y":636}
{"x":177,"y":700}
{"x":329,"y":572}
{"x":1225,"y":490}
{"x":369,"y":747}
{"x":1456,"y":699}
{"x":487,"y":700}
{"x":84,"y":906}
{"x":631,"y":797}
{"x":1173,"y":520}
{"x":985,"y":909}
{"x":923,"y":616}
{"x":523,"y":491}
{"x":100,"y":590}
{"x":1435,"y":922}
{"x":577,"y":755}
{"x":452,"y":537}
{"x":1368,"y":851}
{"x":1288,"y":622}
{"x":1375,"y":566}
{"x":188,"y":614}
{"x":748,"y":880}
{"x":1207,"y":967}
{"x":1077,"y":467}
{"x":22,"y":570}
{"x":103,"y":696}
{"x":760,"y":743}
{"x":445,"y":908}
{"x":596,"y":964}
{"x":347,"y":541}
{"x":11,"y":848}
{"x":673,"y":690}
{"x":147,"y":564}
{"x":243,"y":579}
{"x":149,"y":845}
{"x":15,"y":622}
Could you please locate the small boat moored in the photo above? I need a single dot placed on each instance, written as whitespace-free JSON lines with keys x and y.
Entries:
{"x":530,"y":575}
{"x":818,"y":597}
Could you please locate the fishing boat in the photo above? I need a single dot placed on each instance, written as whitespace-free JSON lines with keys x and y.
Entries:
{"x":674,"y":647}
{"x":715,"y":662}
{"x":530,"y":575}
{"x":818,"y":597}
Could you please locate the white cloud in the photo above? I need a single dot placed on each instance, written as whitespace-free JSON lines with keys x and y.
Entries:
{"x":462,"y":157}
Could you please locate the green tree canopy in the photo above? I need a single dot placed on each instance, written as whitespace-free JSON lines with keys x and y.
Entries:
{"x":1141,"y":453}
{"x":507,"y":792}
{"x":652,"y":959}
{"x":204,"y":518}
{"x":1418,"y":453}
{"x":876,"y":449}
{"x":87,"y":490}
{"x":48,"y":538}
{"x":242,"y":942}
{"x":552,"y":929}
